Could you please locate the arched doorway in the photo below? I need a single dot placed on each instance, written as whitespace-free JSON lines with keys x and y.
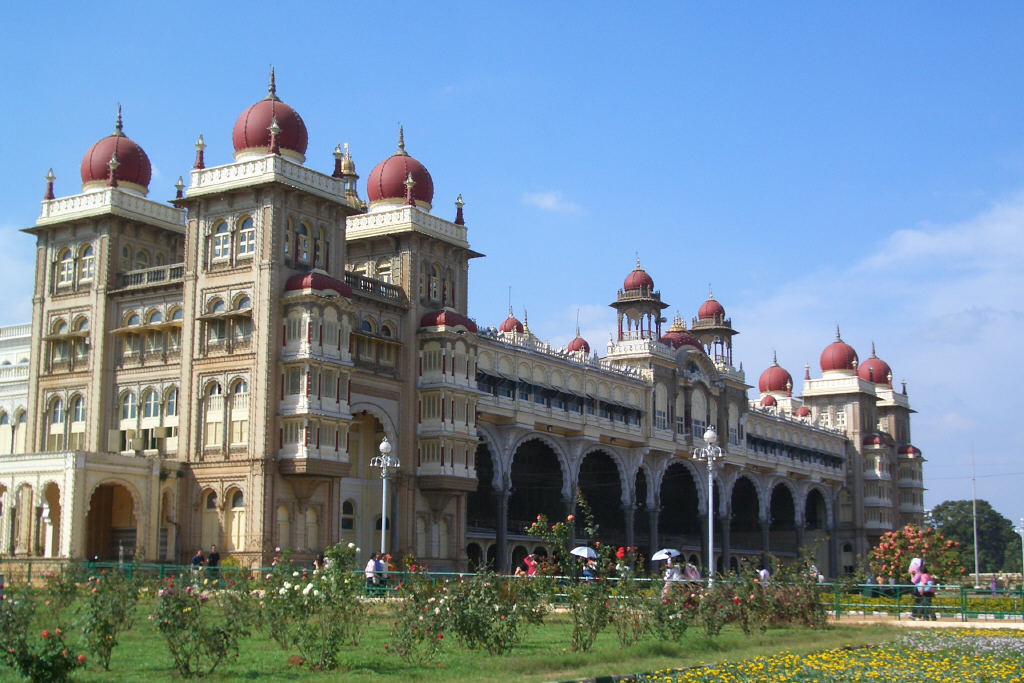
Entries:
{"x":111,"y":526}
{"x":536,"y":485}
{"x":816,"y":531}
{"x":783,"y":520}
{"x":601,"y":487}
{"x":642,"y":516}
{"x":745,"y":527}
{"x":679,"y":523}
{"x":482,"y":504}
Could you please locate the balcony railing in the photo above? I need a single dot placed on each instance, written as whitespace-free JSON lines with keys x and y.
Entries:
{"x":151,"y":277}
{"x":375,"y":288}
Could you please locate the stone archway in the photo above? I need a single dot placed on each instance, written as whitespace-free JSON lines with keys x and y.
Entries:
{"x":745,"y":525}
{"x":679,"y":523}
{"x":601,"y":487}
{"x":537,"y":484}
{"x":111,"y":526}
{"x":482,"y":504}
{"x":782,"y":511}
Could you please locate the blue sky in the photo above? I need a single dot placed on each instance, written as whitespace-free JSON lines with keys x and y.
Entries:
{"x":818,"y":164}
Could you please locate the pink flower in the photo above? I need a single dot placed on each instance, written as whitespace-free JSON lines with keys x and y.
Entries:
{"x":81,"y":659}
{"x":45,"y":634}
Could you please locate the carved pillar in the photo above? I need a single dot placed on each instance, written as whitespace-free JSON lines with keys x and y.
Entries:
{"x":765,"y":539}
{"x":799,"y":536}
{"x":726,"y":546}
{"x":629,"y":513}
{"x":653,"y":515}
{"x":501,"y":562}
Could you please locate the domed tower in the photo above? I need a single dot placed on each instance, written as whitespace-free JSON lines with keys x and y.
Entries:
{"x":776,"y":380}
{"x":579,"y":344}
{"x":639,"y":306}
{"x":389,"y":182}
{"x":511,"y":323}
{"x":875,"y":370}
{"x":714,"y":330}
{"x":116,"y":161}
{"x":838,"y":358}
{"x":270,"y":127}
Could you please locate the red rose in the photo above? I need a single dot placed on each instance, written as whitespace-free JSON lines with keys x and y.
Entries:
{"x":736,"y":599}
{"x":45,"y":634}
{"x":81,"y":659}
{"x":440,"y":636}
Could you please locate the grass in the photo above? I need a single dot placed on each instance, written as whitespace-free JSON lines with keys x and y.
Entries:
{"x":542,"y":656}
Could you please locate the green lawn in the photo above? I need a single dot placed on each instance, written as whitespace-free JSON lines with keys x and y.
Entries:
{"x":543,"y":655}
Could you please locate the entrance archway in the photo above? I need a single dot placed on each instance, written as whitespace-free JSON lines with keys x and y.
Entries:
{"x":536,"y":485}
{"x":111,"y":526}
{"x":602,"y":489}
{"x":482,"y":504}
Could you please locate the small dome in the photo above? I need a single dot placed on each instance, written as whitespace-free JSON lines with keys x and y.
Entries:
{"x":133,"y":170}
{"x":638,"y":279}
{"x":909,"y":450}
{"x":768,"y":401}
{"x":775,"y":378}
{"x":511,"y":323}
{"x":876,"y":439}
{"x":579,"y":343}
{"x":677,"y":337}
{"x":875,"y":370}
{"x":838,"y":356}
{"x":803,"y":411}
{"x":447,"y":318}
{"x":251,"y":135}
{"x":710,"y":309}
{"x":317,"y":281}
{"x":386,"y":182}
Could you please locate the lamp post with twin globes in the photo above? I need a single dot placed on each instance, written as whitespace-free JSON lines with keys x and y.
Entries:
{"x":710,"y":454}
{"x":387,"y":465}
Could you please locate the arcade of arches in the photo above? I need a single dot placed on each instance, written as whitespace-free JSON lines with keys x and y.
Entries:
{"x":642,"y":501}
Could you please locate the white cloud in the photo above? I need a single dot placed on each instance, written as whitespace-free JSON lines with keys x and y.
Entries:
{"x":943,"y":303}
{"x":551,"y":201}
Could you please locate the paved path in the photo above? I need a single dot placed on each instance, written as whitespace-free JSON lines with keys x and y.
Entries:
{"x":938,"y":623}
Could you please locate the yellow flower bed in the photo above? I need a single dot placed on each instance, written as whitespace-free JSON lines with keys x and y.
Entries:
{"x":946,"y":656}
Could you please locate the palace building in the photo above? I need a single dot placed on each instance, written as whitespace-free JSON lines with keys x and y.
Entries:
{"x":223,"y":368}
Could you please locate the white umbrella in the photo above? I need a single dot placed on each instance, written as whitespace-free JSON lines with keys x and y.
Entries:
{"x":584,"y":551}
{"x":665,"y":553}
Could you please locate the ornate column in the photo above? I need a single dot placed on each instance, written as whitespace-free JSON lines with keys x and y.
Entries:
{"x":653,"y":515}
{"x":629,"y":511}
{"x":766,"y":525}
{"x":726,"y":545}
{"x":501,"y":561}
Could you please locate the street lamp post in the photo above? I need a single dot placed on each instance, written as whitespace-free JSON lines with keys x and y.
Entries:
{"x":387,"y":464}
{"x":710,"y":454}
{"x":1020,"y":530}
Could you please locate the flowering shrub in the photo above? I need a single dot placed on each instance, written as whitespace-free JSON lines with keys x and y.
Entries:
{"x":37,"y":655}
{"x":891,"y":557}
{"x":201,"y":626}
{"x":717,"y":607}
{"x":109,"y":610}
{"x":630,"y":610}
{"x":420,"y":616}
{"x":675,"y":611}
{"x":318,"y":611}
{"x":60,"y":590}
{"x":753,"y":603}
{"x":491,"y":612}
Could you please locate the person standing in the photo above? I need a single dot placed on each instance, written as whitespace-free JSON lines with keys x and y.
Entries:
{"x":370,"y":571}
{"x":531,"y":564}
{"x":198,"y":560}
{"x":926,"y":590}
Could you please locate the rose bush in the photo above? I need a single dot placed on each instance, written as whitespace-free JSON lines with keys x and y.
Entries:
{"x":891,"y":557}
{"x":109,"y":610}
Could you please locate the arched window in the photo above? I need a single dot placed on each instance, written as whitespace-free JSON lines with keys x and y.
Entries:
{"x":246,"y":238}
{"x":221,"y":241}
{"x":214,"y":389}
{"x":78,"y":409}
{"x":172,"y":403}
{"x":129,"y":408}
{"x":5,"y":420}
{"x":142,"y":259}
{"x":289,"y":235}
{"x":348,"y":515}
{"x":132,"y":320}
{"x":87,"y":269}
{"x":126,"y":258}
{"x":215,"y":327}
{"x":240,"y":387}
{"x":302,"y":243}
{"x":151,"y":404}
{"x":244,"y":303}
{"x":367,"y":326}
{"x":57,"y":412}
{"x":155,"y":317}
{"x":65,"y":268}
{"x":243,"y":323}
{"x":60,"y":342}
{"x":435,"y":283}
{"x":234,"y":522}
{"x":177,"y":314}
{"x":210,"y":521}
{"x":386,"y":331}
{"x":211,"y":500}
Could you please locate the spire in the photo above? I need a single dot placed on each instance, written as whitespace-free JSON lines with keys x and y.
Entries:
{"x":873,"y":349}
{"x":789,"y":387}
{"x":638,"y":261}
{"x":888,"y":380}
{"x":711,"y":294}
{"x":112,"y":165}
{"x":459,"y":219}
{"x":272,"y":87}
{"x":775,"y":358}
{"x":526,"y":320}
{"x":401,"y":142}
{"x":807,"y":371}
{"x":904,"y":387}
{"x":200,"y":158}
{"x":180,"y":187}
{"x":49,"y":185}
{"x":275,"y":130}
{"x":119,"y":124}
{"x":409,"y":183}
{"x":338,"y":155}
{"x":838,"y":338}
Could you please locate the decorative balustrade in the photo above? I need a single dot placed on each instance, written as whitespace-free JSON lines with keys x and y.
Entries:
{"x":375,"y":288}
{"x":151,"y":277}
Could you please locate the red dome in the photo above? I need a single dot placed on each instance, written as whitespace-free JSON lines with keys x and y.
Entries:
{"x":317,"y":280}
{"x":252,"y":129}
{"x":447,"y":318}
{"x":511,"y":323}
{"x":775,"y":378}
{"x":803,"y":411}
{"x":838,"y":356}
{"x":768,"y":401}
{"x":876,"y":439}
{"x":678,"y":338}
{"x":638,"y":279}
{"x":908,"y":450}
{"x":387,"y":179}
{"x":875,"y":370}
{"x":710,"y":309}
{"x":133,"y":164}
{"x":579,"y":344}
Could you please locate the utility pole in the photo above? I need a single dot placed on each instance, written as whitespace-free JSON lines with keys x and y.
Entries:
{"x":974,"y":507}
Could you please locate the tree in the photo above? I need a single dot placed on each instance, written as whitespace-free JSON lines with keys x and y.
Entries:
{"x":895,"y":549}
{"x":998,"y":545}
